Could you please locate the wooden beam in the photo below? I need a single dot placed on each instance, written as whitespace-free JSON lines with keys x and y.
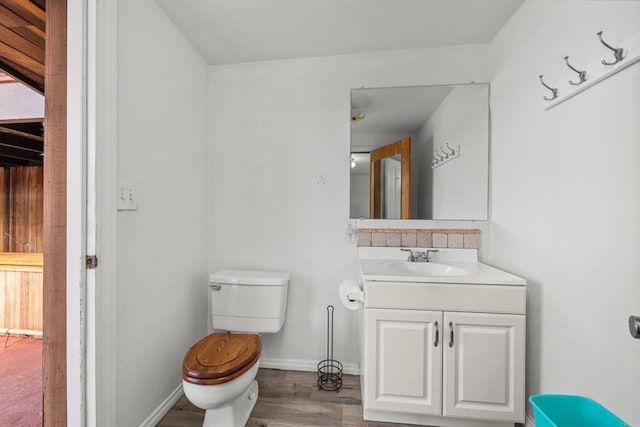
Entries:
{"x":18,"y":153}
{"x":29,"y":11}
{"x":22,"y":143}
{"x":22,"y":45}
{"x":21,"y":26}
{"x":13,"y":55}
{"x":9,"y":131}
{"x":54,"y":343}
{"x":26,"y":121}
{"x":24,"y":75}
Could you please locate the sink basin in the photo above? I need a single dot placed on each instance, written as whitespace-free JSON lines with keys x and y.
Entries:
{"x":426,"y":269}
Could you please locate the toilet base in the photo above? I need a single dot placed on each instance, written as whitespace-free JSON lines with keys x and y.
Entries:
{"x":236,"y":413}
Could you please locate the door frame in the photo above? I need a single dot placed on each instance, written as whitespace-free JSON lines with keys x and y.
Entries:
{"x":402,"y":147}
{"x":78,"y":345}
{"x":55,"y":298}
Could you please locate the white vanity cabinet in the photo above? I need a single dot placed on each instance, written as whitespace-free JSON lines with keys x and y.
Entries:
{"x":444,"y":354}
{"x":483,"y":366}
{"x":404,"y":360}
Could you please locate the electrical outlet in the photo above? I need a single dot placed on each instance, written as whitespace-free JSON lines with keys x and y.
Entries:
{"x":127,"y":199}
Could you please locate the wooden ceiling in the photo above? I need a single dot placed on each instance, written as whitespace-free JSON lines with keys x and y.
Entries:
{"x":22,"y":35}
{"x":21,"y":143}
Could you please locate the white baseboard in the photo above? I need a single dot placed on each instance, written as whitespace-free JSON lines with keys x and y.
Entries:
{"x":304,"y":365}
{"x":164,"y":407}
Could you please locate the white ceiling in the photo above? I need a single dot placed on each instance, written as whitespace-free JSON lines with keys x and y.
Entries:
{"x":233,"y":31}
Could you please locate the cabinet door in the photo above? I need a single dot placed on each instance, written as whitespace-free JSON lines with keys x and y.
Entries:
{"x":403,"y":361}
{"x":484,"y":366}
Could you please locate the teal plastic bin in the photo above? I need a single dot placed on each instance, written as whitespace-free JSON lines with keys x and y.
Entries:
{"x":565,"y":410}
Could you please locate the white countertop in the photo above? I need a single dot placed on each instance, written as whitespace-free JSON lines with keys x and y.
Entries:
{"x":455,"y":266}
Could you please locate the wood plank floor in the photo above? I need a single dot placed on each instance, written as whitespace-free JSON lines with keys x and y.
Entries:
{"x":289,"y":399}
{"x":20,"y":381}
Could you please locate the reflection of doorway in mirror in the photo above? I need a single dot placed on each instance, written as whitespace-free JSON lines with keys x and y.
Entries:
{"x":392,"y":179}
{"x":398,"y":150}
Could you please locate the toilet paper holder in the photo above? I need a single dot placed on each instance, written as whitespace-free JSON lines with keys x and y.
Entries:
{"x":329,"y":369}
{"x":356,"y":296}
{"x":351,"y":295}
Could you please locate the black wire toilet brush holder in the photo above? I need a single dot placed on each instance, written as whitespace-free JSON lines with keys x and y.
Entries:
{"x":329,"y":369}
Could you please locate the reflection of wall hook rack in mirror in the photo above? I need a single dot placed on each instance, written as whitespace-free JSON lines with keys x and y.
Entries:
{"x":448,"y":154}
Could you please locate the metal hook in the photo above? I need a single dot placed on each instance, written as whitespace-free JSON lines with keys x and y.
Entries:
{"x":618,"y":52}
{"x":581,"y":74}
{"x":453,"y":152}
{"x":554,"y":91}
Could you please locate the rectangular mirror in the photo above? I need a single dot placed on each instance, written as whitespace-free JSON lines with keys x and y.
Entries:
{"x":420,"y":152}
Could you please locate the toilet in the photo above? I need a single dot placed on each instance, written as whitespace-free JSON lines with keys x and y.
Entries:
{"x":218,"y":372}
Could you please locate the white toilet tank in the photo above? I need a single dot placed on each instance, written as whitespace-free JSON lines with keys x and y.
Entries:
{"x":248,"y":301}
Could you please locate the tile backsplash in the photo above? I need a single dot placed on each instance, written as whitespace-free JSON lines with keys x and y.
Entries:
{"x":420,"y":238}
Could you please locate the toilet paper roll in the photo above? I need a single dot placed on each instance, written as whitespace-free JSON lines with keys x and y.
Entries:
{"x":351,"y":295}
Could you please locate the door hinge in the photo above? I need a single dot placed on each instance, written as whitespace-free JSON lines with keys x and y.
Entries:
{"x":91,"y":261}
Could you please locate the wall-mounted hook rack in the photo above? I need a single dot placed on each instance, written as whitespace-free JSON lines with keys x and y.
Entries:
{"x":554,"y":90}
{"x":598,"y":70}
{"x":582,"y":75}
{"x":446,"y":156}
{"x":618,"y":52}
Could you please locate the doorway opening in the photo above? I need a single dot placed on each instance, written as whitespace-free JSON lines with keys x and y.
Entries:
{"x":33,"y":51}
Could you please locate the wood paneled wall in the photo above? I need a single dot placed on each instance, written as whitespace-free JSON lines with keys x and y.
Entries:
{"x":21,"y":293}
{"x":21,"y":211}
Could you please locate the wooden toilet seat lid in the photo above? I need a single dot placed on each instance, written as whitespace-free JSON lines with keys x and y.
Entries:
{"x":221,"y":357}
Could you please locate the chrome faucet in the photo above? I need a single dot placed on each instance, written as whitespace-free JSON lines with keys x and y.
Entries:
{"x":419,"y":256}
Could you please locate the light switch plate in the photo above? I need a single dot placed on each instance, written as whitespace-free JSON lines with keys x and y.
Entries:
{"x":127,"y":198}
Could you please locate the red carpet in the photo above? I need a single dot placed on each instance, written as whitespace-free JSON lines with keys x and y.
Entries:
{"x":20,"y":382}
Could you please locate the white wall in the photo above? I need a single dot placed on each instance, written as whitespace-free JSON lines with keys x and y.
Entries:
{"x":458,"y":188}
{"x":17,"y":101}
{"x":161,"y":263}
{"x":566,"y":198}
{"x":279,"y":176}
